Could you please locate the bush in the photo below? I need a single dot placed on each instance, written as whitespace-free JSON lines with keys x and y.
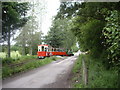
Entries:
{"x":3,"y":55}
{"x":7,"y":60}
{"x":98,"y":75}
{"x":112,"y":38}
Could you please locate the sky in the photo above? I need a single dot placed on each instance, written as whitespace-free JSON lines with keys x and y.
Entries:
{"x":51,"y":10}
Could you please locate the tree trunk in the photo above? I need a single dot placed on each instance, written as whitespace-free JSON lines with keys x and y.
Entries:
{"x":31,"y":51}
{"x":8,"y":42}
{"x":23,"y":44}
{"x":23,"y":49}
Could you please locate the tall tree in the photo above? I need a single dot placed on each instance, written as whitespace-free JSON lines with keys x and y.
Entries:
{"x":88,"y":26}
{"x":60,"y":35}
{"x":13,"y":17}
{"x":29,"y":36}
{"x":88,"y":21}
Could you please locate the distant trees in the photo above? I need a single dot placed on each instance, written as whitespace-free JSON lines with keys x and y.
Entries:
{"x":60,"y":35}
{"x":13,"y":17}
{"x":20,"y":17}
{"x":30,"y":35}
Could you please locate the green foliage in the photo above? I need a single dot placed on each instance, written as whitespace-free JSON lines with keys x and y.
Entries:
{"x":53,"y":58}
{"x":97,"y":30}
{"x":29,"y":38}
{"x":74,"y":48}
{"x":67,"y":9}
{"x":78,"y":64}
{"x":77,"y":78}
{"x":3,"y":55}
{"x":14,"y":55}
{"x":10,"y":70}
{"x":60,"y":35}
{"x":89,"y":34}
{"x":100,"y":77}
{"x":112,"y":37}
{"x":17,"y":58}
{"x":12,"y":16}
{"x":7,"y":61}
{"x":6,"y":71}
{"x":15,"y":48}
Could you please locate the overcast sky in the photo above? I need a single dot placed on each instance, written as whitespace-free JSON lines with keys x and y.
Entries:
{"x":51,"y":10}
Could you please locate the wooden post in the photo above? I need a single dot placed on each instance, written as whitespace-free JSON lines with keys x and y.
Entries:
{"x":85,"y":72}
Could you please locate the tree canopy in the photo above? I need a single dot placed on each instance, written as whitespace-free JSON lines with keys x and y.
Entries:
{"x":13,"y":17}
{"x":96,"y":25}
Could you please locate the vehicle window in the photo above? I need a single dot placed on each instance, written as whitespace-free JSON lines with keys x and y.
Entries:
{"x":42,"y":48}
{"x":45,"y":49}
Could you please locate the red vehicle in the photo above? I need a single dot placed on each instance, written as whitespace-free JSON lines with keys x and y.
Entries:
{"x":47,"y":51}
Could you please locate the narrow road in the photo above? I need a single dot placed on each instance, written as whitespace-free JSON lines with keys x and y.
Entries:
{"x":53,"y":75}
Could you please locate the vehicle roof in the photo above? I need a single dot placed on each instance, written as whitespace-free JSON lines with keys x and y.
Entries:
{"x":43,"y":45}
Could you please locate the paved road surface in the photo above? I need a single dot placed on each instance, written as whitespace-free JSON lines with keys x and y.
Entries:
{"x":53,"y":75}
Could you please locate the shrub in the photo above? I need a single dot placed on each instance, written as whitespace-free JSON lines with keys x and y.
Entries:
{"x":7,"y":60}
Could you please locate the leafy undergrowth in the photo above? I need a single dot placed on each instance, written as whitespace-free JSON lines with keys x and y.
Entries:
{"x":9,"y":71}
{"x":77,"y":73}
{"x":98,"y":75}
{"x":10,"y":61}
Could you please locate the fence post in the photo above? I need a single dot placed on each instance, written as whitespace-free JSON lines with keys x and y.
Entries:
{"x":85,"y":72}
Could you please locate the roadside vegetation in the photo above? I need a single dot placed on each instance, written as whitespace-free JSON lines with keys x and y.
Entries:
{"x":96,"y":26}
{"x":98,"y":75}
{"x":11,"y":66}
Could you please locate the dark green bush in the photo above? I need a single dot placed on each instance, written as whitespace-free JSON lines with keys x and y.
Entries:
{"x":7,"y":60}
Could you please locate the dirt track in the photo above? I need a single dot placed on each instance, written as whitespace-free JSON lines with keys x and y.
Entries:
{"x":53,"y":75}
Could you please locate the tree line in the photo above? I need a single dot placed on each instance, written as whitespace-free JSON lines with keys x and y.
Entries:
{"x":96,"y":26}
{"x":19,"y":17}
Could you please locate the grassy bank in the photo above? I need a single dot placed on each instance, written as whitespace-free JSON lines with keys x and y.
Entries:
{"x":98,"y":75}
{"x":77,"y":73}
{"x":22,"y":59}
{"x":23,"y":65}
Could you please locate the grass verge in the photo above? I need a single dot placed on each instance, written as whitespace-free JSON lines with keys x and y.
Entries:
{"x":9,"y":71}
{"x":10,"y":61}
{"x":77,"y":73}
{"x":98,"y":75}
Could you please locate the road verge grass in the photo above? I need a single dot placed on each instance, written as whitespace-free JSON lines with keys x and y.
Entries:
{"x":8,"y":61}
{"x":98,"y":75}
{"x":8,"y":70}
{"x":77,"y":73}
